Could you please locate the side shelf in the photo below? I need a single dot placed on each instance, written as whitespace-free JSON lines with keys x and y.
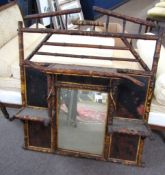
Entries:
{"x":33,"y":114}
{"x":129,"y":126}
{"x":127,"y":139}
{"x":37,"y":128}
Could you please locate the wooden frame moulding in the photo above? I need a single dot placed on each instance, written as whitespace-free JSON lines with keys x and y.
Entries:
{"x":51,"y":110}
{"x":110,"y":112}
{"x":65,"y":152}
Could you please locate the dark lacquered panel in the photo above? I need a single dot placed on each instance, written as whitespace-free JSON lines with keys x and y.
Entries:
{"x":36,"y":88}
{"x":124,"y":146}
{"x":131,"y":99}
{"x":39,"y":134}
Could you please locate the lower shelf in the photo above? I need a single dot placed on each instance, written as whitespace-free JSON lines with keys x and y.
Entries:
{"x":33,"y":114}
{"x":129,"y":126}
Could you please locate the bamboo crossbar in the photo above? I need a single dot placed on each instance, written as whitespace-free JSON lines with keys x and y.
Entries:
{"x":51,"y":14}
{"x":82,"y":86}
{"x":123,"y":17}
{"x":91,"y":33}
{"x":86,"y":71}
{"x":86,"y":56}
{"x":38,"y":47}
{"x":88,"y":23}
{"x":85,"y":45}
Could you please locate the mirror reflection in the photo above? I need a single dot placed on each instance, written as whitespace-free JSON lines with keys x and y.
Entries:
{"x":81,"y":120}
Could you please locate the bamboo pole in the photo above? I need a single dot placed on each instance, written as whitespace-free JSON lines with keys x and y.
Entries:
{"x":85,"y":45}
{"x":122,"y":16}
{"x":91,"y":33}
{"x":86,"y":56}
{"x":21,"y":62}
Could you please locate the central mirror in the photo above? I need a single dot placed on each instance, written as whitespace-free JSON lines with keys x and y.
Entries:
{"x":81,"y":120}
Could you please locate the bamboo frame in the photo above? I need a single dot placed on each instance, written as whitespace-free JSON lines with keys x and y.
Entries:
{"x":54,"y":70}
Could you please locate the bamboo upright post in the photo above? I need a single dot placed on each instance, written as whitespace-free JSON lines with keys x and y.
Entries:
{"x":21,"y":61}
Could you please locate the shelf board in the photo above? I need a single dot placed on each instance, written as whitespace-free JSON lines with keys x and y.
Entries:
{"x":129,"y":126}
{"x":33,"y":114}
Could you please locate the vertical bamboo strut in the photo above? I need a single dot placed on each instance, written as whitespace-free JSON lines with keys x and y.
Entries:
{"x":140,"y":29}
{"x":26,"y":135}
{"x":54,"y":112}
{"x":110,"y":113}
{"x":107,"y":22}
{"x":151,"y":84}
{"x":106,"y":145}
{"x":157,"y":52}
{"x":49,"y":98}
{"x":66,"y":22}
{"x":111,"y":105}
{"x":140,"y":152}
{"x":124,"y":25}
{"x":50,"y":111}
{"x":21,"y":61}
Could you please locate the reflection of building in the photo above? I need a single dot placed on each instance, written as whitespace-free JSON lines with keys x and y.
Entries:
{"x":100,"y":97}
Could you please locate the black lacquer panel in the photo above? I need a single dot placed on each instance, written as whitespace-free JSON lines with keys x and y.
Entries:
{"x":131,"y":99}
{"x":36,"y":88}
{"x":39,"y":134}
{"x":124,"y":146}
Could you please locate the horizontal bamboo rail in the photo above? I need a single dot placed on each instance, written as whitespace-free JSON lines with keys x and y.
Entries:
{"x":85,"y":71}
{"x":86,"y":56}
{"x":91,"y":33}
{"x":51,"y":14}
{"x":85,"y":45}
{"x":123,"y":17}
